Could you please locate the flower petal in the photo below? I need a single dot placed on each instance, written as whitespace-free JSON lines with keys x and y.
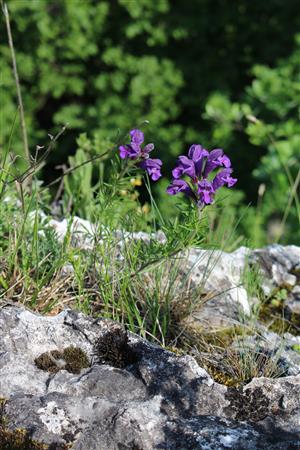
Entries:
{"x":222,"y":178}
{"x":179,"y":186}
{"x":206,"y":192}
{"x":148,"y":148}
{"x":137,"y":136}
{"x":153,"y":167}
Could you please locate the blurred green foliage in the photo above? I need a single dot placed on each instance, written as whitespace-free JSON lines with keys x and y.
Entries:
{"x":187,"y":66}
{"x":268,"y":115}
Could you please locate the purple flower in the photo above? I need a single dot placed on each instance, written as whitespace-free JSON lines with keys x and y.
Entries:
{"x":191,"y":165}
{"x":223,"y":178}
{"x":197,"y":166}
{"x":179,"y":186}
{"x":153,"y":167}
{"x":206,"y":192}
{"x":224,"y":161}
{"x":137,"y":137}
{"x":198,"y":155}
{"x":129,"y":151}
{"x":134,"y":149}
{"x":147,"y":149}
{"x":185,"y":167}
{"x":216,"y":158}
{"x":136,"y":152}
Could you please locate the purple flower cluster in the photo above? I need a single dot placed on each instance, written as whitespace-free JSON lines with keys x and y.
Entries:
{"x":134,"y":151}
{"x":197,"y":166}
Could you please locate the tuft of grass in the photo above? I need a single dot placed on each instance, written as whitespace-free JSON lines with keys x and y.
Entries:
{"x":231,"y":360}
{"x":115,"y":275}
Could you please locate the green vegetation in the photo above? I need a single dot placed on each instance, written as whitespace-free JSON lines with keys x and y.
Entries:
{"x":296,"y":348}
{"x":268,"y":116}
{"x":139,"y":289}
{"x":113,"y":274}
{"x":198,"y":71}
{"x":108,"y":66}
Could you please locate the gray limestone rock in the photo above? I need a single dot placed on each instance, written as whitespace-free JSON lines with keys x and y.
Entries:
{"x":292,"y":302}
{"x":220,"y":276}
{"x":279,"y":266}
{"x":85,"y":235}
{"x":153,"y":400}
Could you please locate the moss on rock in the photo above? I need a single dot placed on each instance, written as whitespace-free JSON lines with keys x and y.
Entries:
{"x":19,"y":440}
{"x":112,"y":346}
{"x":72,"y":359}
{"x":76,"y":359}
{"x":278,"y":320}
{"x":222,"y":377}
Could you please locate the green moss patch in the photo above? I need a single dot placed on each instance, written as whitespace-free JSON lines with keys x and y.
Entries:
{"x":222,"y":377}
{"x":296,"y":348}
{"x":72,"y":359}
{"x":276,"y":318}
{"x":18,"y":440}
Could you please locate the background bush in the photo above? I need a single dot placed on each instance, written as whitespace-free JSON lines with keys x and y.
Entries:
{"x":195,"y":69}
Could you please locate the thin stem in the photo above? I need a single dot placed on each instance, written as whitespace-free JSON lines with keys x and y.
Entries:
{"x":154,"y":205}
{"x":293,"y":187}
{"x":17,"y":81}
{"x":32,"y":169}
{"x":3,"y":172}
{"x":292,"y":196}
{"x":72,"y":169}
{"x":78,"y":166}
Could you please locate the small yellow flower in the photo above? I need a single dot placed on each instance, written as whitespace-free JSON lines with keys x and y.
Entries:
{"x":136,"y":181}
{"x":146,"y":208}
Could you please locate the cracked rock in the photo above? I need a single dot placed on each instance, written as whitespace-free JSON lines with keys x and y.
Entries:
{"x":155,"y":400}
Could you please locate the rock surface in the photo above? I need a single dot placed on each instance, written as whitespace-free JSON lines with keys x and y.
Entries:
{"x":85,"y":234}
{"x":221,"y":275}
{"x":280,"y":266}
{"x":133,"y":395}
